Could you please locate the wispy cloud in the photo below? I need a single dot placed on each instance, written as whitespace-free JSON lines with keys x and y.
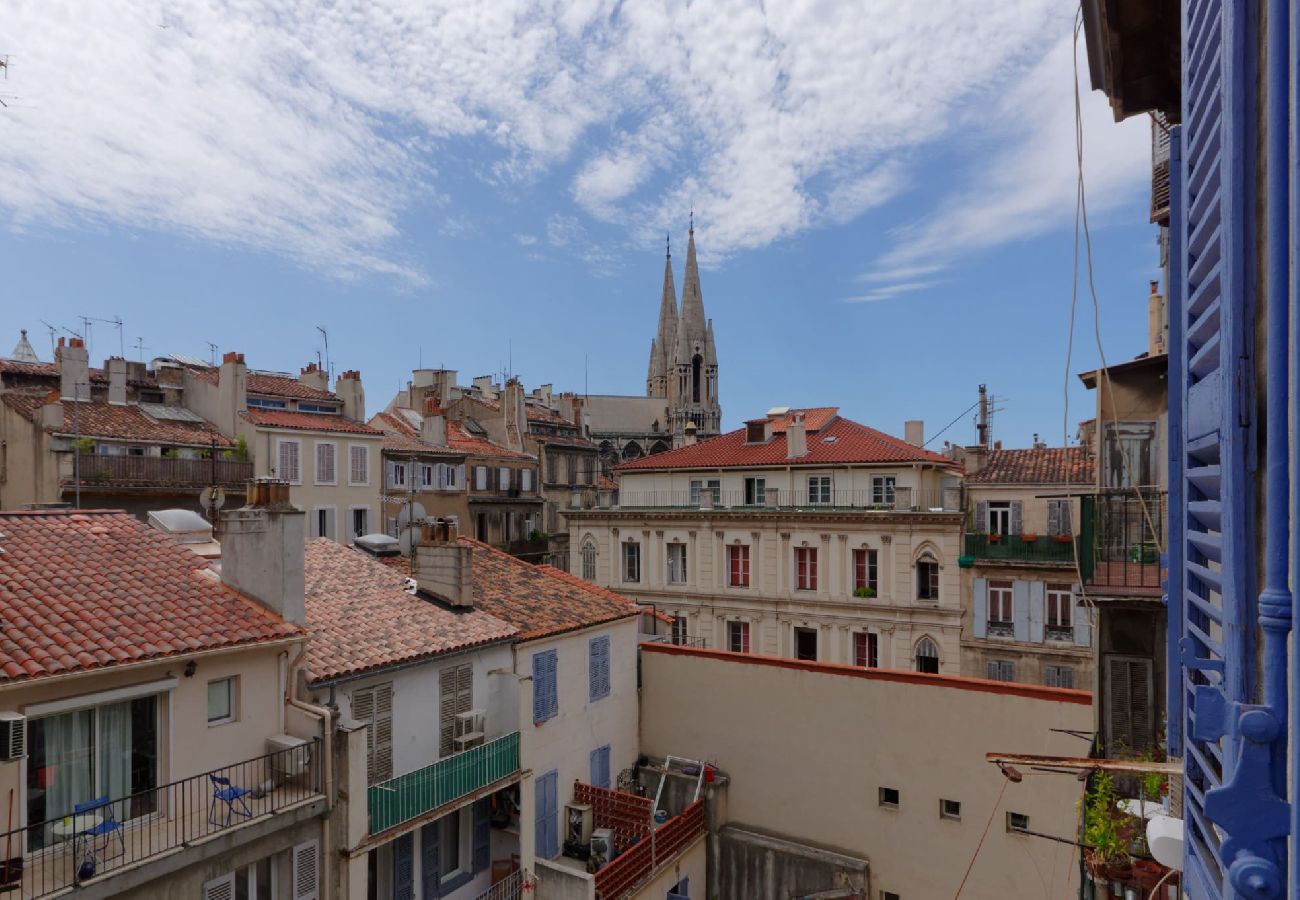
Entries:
{"x":888,"y":292}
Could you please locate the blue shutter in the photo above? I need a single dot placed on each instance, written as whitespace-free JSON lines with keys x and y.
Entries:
{"x":680,"y":891}
{"x":600,"y":766}
{"x":598,"y":667}
{"x":553,"y":684}
{"x":546,"y":796}
{"x":1020,"y":609}
{"x":430,"y":877}
{"x":980,"y":608}
{"x":1037,"y":610}
{"x":482,"y":855}
{"x":539,"y":688}
{"x":404,"y":867}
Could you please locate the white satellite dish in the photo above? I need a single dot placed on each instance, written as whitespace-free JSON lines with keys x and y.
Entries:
{"x":410,"y":512}
{"x":406,"y":541}
{"x":211,"y":497}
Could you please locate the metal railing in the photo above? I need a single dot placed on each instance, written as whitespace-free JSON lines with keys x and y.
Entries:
{"x":509,"y":888}
{"x":58,"y":853}
{"x":159,"y":470}
{"x":405,"y":797}
{"x":900,"y":500}
{"x":1128,"y":532}
{"x":1048,"y":548}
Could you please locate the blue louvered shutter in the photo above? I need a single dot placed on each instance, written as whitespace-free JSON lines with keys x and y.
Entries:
{"x":553,"y":684}
{"x":980,"y":607}
{"x":600,"y":766}
{"x":598,"y":667}
{"x":482,"y":851}
{"x":680,"y":891}
{"x":546,"y":797}
{"x":1212,"y":382}
{"x":430,"y":876}
{"x":1020,"y":614}
{"x":404,"y":867}
{"x":545,"y":687}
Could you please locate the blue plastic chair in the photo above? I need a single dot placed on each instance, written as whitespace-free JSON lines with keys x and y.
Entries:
{"x":225,"y":792}
{"x":101,"y":834}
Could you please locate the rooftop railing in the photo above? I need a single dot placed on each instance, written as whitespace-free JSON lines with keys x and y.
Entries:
{"x":160,"y":471}
{"x":654,"y":851}
{"x":1041,"y":548}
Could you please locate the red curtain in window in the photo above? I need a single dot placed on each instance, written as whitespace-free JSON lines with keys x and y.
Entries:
{"x":807,"y":563}
{"x":739,"y":559}
{"x":859,"y":569}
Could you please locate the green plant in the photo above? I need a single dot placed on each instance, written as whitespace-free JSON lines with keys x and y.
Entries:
{"x":864,"y":591}
{"x":170,"y":453}
{"x":537,"y":535}
{"x":85,"y":446}
{"x":1103,"y":830}
{"x":241,"y":448}
{"x":1154,"y":784}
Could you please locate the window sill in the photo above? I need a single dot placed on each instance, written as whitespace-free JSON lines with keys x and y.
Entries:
{"x":217,"y":723}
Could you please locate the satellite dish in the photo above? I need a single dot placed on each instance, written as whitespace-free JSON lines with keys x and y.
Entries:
{"x":410,"y":512}
{"x":407,"y":541}
{"x":212,"y":498}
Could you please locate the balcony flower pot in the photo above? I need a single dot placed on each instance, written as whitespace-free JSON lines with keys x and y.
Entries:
{"x":995,"y":538}
{"x":1064,"y":539}
{"x":1029,"y":537}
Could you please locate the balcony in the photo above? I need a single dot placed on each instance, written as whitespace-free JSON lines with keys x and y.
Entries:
{"x":1127,"y":528}
{"x":406,"y":797}
{"x":1015,"y":548}
{"x":170,"y":824}
{"x":158,"y":471}
{"x":652,"y":853}
{"x":900,"y":500}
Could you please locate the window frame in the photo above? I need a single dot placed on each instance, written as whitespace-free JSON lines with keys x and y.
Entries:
{"x":931,"y":591}
{"x":352,"y":464}
{"x":884,"y":488}
{"x":883,"y":795}
{"x":1017,"y":823}
{"x":675,"y":570}
{"x":280,"y":444}
{"x":598,"y":667}
{"x":805,"y":569}
{"x":755,"y":490}
{"x":631,"y":554}
{"x":588,"y":553}
{"x":1058,"y":595}
{"x":232,"y":700}
{"x":820,"y":490}
{"x":1004,"y":602}
{"x":1054,"y":675}
{"x":866,"y":569}
{"x":738,"y":571}
{"x":333,"y":447}
{"x":738,"y":640}
{"x":950,"y":809}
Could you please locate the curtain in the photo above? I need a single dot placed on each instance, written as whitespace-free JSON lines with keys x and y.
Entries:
{"x":62,"y":768}
{"x":115,"y":753}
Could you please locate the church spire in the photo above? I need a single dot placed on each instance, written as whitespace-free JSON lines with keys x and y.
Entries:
{"x":661,"y":346}
{"x":691,"y":324}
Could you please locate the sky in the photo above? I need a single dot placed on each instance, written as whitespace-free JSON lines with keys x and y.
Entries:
{"x":883,"y":194}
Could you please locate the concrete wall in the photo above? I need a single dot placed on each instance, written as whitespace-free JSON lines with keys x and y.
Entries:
{"x":784,"y":479}
{"x":811,"y":771}
{"x":751,"y":864}
{"x":690,"y":864}
{"x":1033,"y":498}
{"x":29,"y":472}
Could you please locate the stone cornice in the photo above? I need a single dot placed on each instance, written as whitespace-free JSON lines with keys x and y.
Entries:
{"x":711,"y":517}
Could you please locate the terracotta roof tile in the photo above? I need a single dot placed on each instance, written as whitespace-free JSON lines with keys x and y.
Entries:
{"x":89,"y":589}
{"x":306,"y":421}
{"x":831,"y":441}
{"x":51,"y":371}
{"x":99,"y":419}
{"x":540,"y":600}
{"x":362,"y":618}
{"x":277,"y":385}
{"x":1044,"y":465}
{"x":402,"y":437}
{"x":460,"y":439}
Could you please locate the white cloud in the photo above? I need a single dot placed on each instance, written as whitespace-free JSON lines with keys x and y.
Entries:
{"x":888,"y":292}
{"x":526,"y":240}
{"x":310,"y":130}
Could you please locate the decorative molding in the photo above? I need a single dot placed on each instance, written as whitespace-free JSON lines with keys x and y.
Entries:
{"x":886,"y":539}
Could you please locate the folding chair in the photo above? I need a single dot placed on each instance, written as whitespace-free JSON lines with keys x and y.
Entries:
{"x":224,"y":792}
{"x":101,"y":835}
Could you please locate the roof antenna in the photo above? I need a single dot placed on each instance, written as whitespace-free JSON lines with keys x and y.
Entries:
{"x":212,"y":349}
{"x":329,"y":373}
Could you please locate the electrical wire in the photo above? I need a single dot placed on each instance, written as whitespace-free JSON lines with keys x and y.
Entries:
{"x":983,"y":835}
{"x":952,"y":423}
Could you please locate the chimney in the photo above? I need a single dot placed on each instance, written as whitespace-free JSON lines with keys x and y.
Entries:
{"x":796,"y":438}
{"x":74,"y":369}
{"x":116,"y":367}
{"x":983,"y":427}
{"x":348,"y":387}
{"x":262,"y":549}
{"x":690,"y":433}
{"x":315,"y":377}
{"x":1039,"y":444}
{"x":914,"y":432}
{"x":1157,"y":322}
{"x":433,"y":426}
{"x":232,"y":392}
{"x":52,"y":412}
{"x":443,"y":567}
{"x":512,"y":408}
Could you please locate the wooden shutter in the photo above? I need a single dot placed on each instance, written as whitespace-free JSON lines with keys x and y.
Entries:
{"x":404,"y":867}
{"x":326,"y":470}
{"x":1037,"y":610}
{"x":980,"y":608}
{"x":1054,"y":517}
{"x":358,"y":464}
{"x":981,"y":515}
{"x":546,"y":800}
{"x":545,"y":699}
{"x":1129,"y":714}
{"x":289,"y":469}
{"x":598,"y":667}
{"x":1020,"y":609}
{"x":1082,"y":626}
{"x":306,"y":871}
{"x":222,"y":888}
{"x":430,"y":860}
{"x":455,"y":696}
{"x":481,"y":855}
{"x":600,"y":766}
{"x":1017,"y":517}
{"x":374,"y":706}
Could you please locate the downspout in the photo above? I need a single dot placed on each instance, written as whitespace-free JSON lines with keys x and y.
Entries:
{"x":326,"y":716}
{"x":1293,"y":246}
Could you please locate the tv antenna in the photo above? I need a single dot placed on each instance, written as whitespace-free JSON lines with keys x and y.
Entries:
{"x":4,"y":70}
{"x":325,"y":336}
{"x":212,"y":351}
{"x":140,"y":348}
{"x":116,"y":322}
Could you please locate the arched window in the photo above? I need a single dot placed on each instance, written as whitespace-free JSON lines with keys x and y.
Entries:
{"x":927,"y":577}
{"x":589,"y":559}
{"x":927,"y":656}
{"x":633,"y":451}
{"x":696,"y":365}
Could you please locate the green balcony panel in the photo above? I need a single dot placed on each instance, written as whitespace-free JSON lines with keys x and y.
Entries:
{"x":409,"y":796}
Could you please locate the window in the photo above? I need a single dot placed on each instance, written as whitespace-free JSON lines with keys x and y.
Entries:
{"x":1017,"y":821}
{"x":290,"y":462}
{"x":589,"y":559}
{"x":326,"y":472}
{"x":1059,"y":517}
{"x":756,"y":432}
{"x":480,"y":478}
{"x":323,"y":524}
{"x":1129,"y":457}
{"x":546,"y":701}
{"x":397,"y":475}
{"x":927,"y":578}
{"x":679,"y":630}
{"x":600,"y":766}
{"x":927,"y":656}
{"x":676,"y":563}
{"x":503,"y":478}
{"x":455,"y":696}
{"x":598,"y":668}
{"x":552,"y":466}
{"x":1058,"y":676}
{"x":889,"y":797}
{"x":819,"y":489}
{"x":426,"y":476}
{"x":755,"y":491}
{"x":738,"y":637}
{"x":882,"y":490}
{"x":712,"y":485}
{"x":449,"y":846}
{"x":805,"y":644}
{"x":374,"y":707}
{"x":805,"y":559}
{"x":865,"y":571}
{"x":889,"y":895}
{"x":999,"y":517}
{"x":738,"y":565}
{"x":358,"y":464}
{"x":1000,"y":670}
{"x":632,"y":562}
{"x":950,"y":809}
{"x":1060,"y":612}
{"x":1001,"y":609}
{"x":526,"y":479}
{"x":265,"y":403}
{"x":360,"y":521}
{"x":221,"y":701}
{"x":866,"y":650}
{"x":546,"y":838}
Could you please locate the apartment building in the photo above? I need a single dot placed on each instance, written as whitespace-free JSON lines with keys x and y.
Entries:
{"x":1025,"y":619}
{"x":802,"y":534}
{"x":421,"y":681}
{"x":422,"y":473}
{"x":151,"y":747}
{"x":116,"y":437}
{"x":298,"y":430}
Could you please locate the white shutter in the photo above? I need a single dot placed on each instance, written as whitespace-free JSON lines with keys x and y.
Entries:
{"x":480,"y":478}
{"x":460,"y":476}
{"x":222,"y":888}
{"x":306,"y":871}
{"x":1037,"y":610}
{"x":325,"y":468}
{"x":980,"y":608}
{"x":503,"y":479}
{"x":358,"y":464}
{"x":526,"y":479}
{"x":289,"y":462}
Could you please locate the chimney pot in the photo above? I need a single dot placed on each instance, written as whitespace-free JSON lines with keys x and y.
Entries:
{"x":914,"y":432}
{"x":443,"y":567}
{"x":262,"y":549}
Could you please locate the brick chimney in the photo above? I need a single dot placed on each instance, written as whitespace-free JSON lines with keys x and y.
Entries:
{"x":914,"y":432}
{"x":348,"y":387}
{"x":516,"y":416}
{"x":74,"y":369}
{"x":52,"y":412}
{"x":433,"y":426}
{"x":443,"y":567}
{"x":116,"y":368}
{"x":796,"y":438}
{"x":262,"y":547}
{"x":314,"y":377}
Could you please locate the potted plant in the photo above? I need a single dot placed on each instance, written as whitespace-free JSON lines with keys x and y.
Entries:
{"x":1107,"y":831}
{"x":995,"y":538}
{"x":864,"y":591}
{"x":1065,"y":539}
{"x":1028,"y":537}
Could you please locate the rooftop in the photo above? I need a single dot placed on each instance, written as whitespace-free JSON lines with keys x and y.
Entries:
{"x":362,"y":618}
{"x":100,"y":419}
{"x":307,"y":421}
{"x":1041,"y":465}
{"x":280,"y":384}
{"x":83,"y":590}
{"x":400,"y":436}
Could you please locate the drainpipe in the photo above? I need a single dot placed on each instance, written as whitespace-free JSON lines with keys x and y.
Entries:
{"x":1292,"y":240}
{"x":326,"y":716}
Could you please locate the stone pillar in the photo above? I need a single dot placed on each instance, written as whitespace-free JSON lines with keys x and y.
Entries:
{"x":784,"y":576}
{"x":825,"y":566}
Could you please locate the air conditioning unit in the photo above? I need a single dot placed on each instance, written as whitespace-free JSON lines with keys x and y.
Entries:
{"x":602,"y":846}
{"x":289,"y":755}
{"x":578,"y":821}
{"x":13,"y":736}
{"x":468,"y":730}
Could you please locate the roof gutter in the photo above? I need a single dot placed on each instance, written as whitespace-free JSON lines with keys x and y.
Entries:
{"x":404,"y":664}
{"x":326,"y":717}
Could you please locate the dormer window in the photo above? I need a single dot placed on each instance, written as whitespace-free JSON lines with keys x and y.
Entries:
{"x":756,"y":432}
{"x":267,"y":403}
{"x":317,"y":408}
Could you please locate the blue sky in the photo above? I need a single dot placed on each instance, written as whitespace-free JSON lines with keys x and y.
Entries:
{"x":884,"y":203}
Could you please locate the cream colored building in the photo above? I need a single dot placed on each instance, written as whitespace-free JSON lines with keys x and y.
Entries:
{"x":802,"y":534}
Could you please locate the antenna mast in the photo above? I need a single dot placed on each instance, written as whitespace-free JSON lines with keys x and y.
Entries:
{"x":329,"y":372}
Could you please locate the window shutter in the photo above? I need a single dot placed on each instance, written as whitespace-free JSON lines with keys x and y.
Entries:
{"x":383,"y":732}
{"x":460,"y":475}
{"x":991,"y":670}
{"x":306,"y":871}
{"x":980,"y":608}
{"x":1129,"y":718}
{"x":1054,"y":517}
{"x":1082,"y":626}
{"x":482,"y":852}
{"x":1037,"y":610}
{"x":600,"y":766}
{"x":981,"y":515}
{"x":289,"y":469}
{"x":325,"y":468}
{"x":552,"y":682}
{"x":404,"y":867}
{"x":1020,"y":607}
{"x":430,"y":859}
{"x":358,"y":464}
{"x":546,"y":799}
{"x":598,"y":663}
{"x":545,"y":701}
{"x":1017,"y":517}
{"x":222,"y":888}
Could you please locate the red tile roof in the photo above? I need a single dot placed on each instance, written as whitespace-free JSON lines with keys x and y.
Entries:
{"x":51,"y":371}
{"x":275,"y":385}
{"x":538,"y":600}
{"x":85,"y":590}
{"x":99,"y":419}
{"x":306,"y":421}
{"x":362,"y":618}
{"x":1044,"y":465}
{"x":402,"y":437}
{"x":533,"y":413}
{"x":460,"y":439}
{"x":831,"y":441}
